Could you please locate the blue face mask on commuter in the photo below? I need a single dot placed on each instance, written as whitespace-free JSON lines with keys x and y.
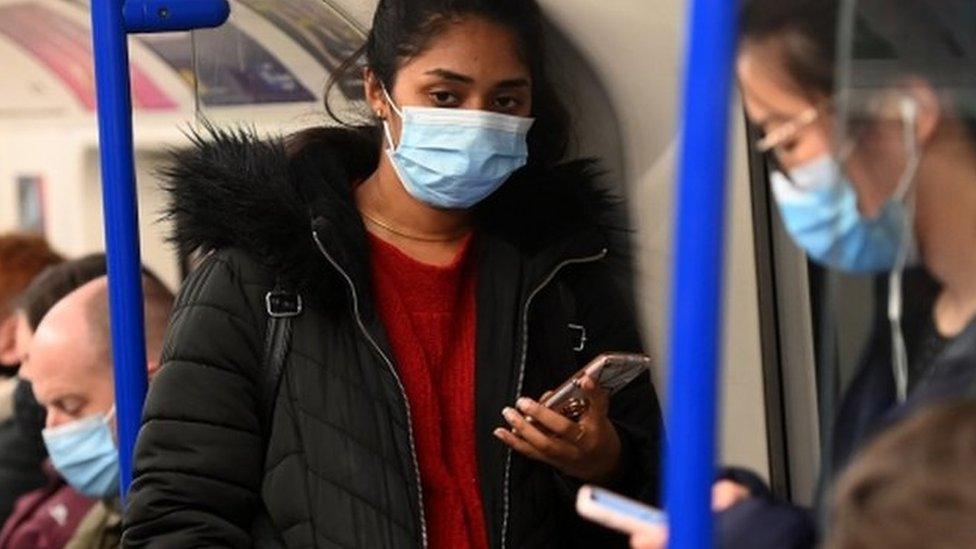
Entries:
{"x":819,"y":209}
{"x":85,"y":454}
{"x":455,"y":158}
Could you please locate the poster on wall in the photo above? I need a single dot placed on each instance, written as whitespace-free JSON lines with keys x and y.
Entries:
{"x":236,"y":70}
{"x":30,"y":204}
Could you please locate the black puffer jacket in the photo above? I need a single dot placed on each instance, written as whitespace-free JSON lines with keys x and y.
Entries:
{"x":337,"y":468}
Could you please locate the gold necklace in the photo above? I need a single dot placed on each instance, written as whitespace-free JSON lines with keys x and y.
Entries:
{"x":387,"y":226}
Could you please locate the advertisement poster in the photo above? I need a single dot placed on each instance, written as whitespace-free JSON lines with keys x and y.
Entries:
{"x":232,"y":67}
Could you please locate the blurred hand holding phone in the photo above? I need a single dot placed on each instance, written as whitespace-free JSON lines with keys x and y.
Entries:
{"x":619,"y":513}
{"x":647,"y":526}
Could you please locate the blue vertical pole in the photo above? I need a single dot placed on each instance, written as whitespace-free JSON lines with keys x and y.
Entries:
{"x":121,"y":223}
{"x":698,"y":272}
{"x":112,"y":21}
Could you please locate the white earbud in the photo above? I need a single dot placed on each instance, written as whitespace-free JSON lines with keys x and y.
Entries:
{"x":909,"y":110}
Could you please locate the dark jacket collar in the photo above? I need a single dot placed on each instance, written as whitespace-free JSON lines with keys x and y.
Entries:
{"x":231,"y":188}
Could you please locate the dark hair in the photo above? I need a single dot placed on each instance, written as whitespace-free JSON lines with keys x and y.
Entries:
{"x":405,"y":28}
{"x":806,"y":36}
{"x":913,"y":32}
{"x":914,"y":486}
{"x":56,"y":282}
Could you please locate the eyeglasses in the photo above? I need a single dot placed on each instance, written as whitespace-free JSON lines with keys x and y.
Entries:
{"x":788,"y":130}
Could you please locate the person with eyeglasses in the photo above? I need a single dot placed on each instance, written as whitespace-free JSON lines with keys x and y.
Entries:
{"x":868,"y":122}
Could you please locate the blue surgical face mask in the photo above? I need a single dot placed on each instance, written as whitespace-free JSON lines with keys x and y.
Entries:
{"x":819,"y":209}
{"x":455,"y":158}
{"x":85,"y":454}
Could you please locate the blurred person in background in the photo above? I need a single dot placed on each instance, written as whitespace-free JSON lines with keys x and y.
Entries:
{"x":48,"y":516}
{"x":868,"y":115}
{"x":22,"y":257}
{"x":914,"y":486}
{"x":69,"y":366}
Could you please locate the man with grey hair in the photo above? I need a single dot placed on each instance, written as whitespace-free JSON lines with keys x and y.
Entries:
{"x":70,"y":368}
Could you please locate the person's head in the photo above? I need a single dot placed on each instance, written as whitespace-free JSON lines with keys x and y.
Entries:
{"x":484,"y":55}
{"x":45,"y":290}
{"x":22,"y":257}
{"x":914,"y":486}
{"x":785,"y":66}
{"x":899,"y":129}
{"x":69,"y":363}
{"x":69,"y":366}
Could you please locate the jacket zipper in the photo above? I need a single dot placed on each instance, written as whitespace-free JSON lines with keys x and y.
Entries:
{"x":389,"y":365}
{"x":521,"y":377}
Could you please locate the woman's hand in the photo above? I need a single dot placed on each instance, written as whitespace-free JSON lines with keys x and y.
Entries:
{"x":588,"y":450}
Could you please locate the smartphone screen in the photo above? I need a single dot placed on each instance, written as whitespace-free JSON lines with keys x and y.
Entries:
{"x":627,"y":507}
{"x":620,"y":369}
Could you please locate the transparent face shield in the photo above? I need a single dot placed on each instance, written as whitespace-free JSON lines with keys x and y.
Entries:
{"x":905,"y":75}
{"x":267,"y":67}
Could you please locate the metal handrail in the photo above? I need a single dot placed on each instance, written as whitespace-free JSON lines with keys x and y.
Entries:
{"x":112,"y":22}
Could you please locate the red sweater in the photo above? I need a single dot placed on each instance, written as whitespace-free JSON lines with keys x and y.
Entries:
{"x":429,"y":315}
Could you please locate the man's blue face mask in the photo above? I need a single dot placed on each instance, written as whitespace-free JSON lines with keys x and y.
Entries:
{"x":85,"y":454}
{"x":455,"y":158}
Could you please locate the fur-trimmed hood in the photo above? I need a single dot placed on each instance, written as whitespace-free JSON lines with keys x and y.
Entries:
{"x":232,"y":189}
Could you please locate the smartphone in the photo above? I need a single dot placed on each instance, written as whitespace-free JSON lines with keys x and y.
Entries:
{"x":616,"y":511}
{"x":611,"y":371}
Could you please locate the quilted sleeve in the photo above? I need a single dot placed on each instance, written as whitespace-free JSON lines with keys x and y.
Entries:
{"x":199,"y":456}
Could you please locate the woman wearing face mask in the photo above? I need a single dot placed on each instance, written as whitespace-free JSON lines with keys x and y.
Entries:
{"x":436,"y":265}
{"x":870,"y":172}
